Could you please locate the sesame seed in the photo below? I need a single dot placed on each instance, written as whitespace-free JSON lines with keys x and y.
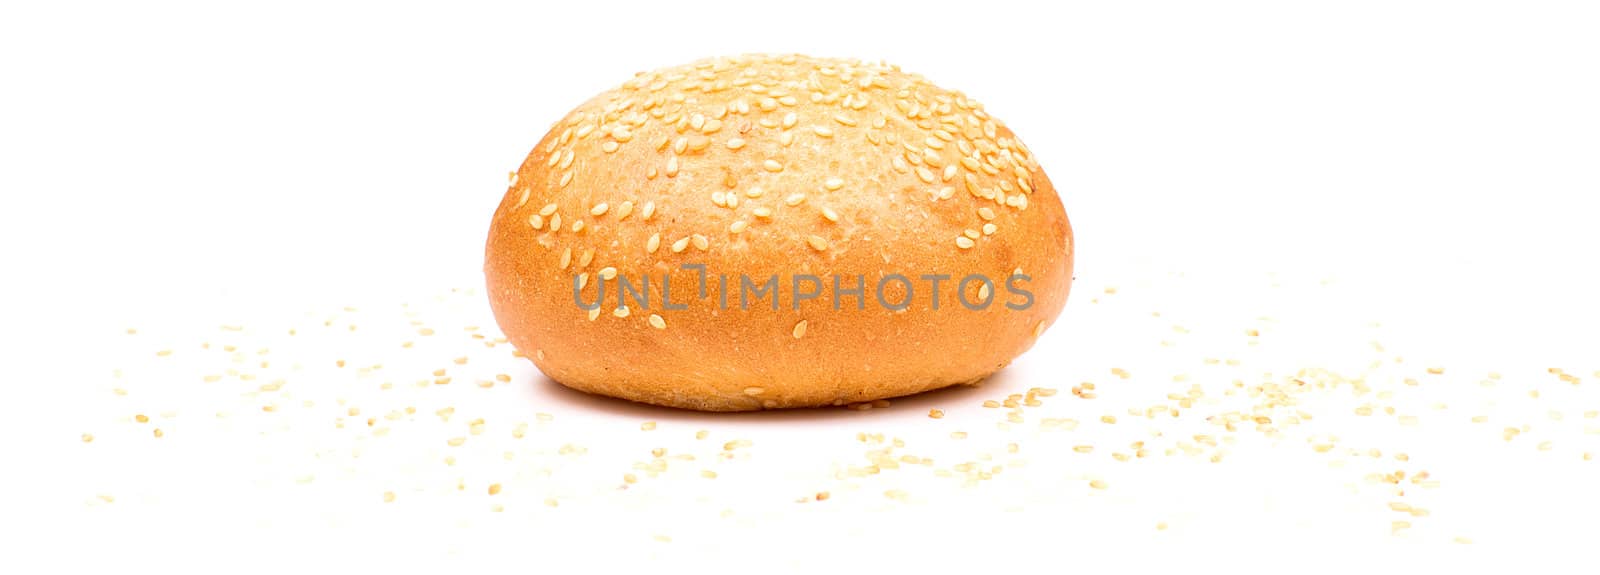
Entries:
{"x":549,"y":209}
{"x":388,"y":497}
{"x":653,"y":243}
{"x":555,"y":222}
{"x":649,"y":210}
{"x":735,"y":143}
{"x":607,"y":273}
{"x":822,"y":131}
{"x":794,"y":199}
{"x":833,"y":184}
{"x":964,"y":242}
{"x":817,"y":242}
{"x":843,"y":119}
{"x":986,"y":213}
{"x":701,"y":242}
{"x":577,"y":226}
{"x":536,"y":221}
{"x":762,"y":212}
{"x":494,"y":489}
{"x":738,"y":226}
{"x":754,"y":192}
{"x":936,"y":413}
{"x":680,"y":245}
{"x":620,"y":312}
{"x":800,"y":329}
{"x":672,"y":167}
{"x":753,"y":391}
{"x":599,"y":209}
{"x":608,"y":147}
{"x":925,"y":175}
{"x":971,"y":233}
{"x":657,"y":322}
{"x":624,"y":209}
{"x":789,"y":120}
{"x":1098,"y":484}
{"x":829,"y":214}
{"x":772,"y":166}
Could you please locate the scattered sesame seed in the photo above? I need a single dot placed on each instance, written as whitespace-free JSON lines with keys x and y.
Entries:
{"x":599,"y":209}
{"x":817,"y":243}
{"x":657,"y":322}
{"x":964,"y":242}
{"x":772,"y":166}
{"x":800,"y":329}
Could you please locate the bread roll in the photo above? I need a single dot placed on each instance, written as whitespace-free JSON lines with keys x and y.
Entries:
{"x":725,"y":180}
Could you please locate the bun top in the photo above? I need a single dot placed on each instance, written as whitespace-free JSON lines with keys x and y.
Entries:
{"x":759,"y":167}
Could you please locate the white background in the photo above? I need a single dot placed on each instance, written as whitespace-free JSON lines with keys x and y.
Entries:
{"x":177,"y":166}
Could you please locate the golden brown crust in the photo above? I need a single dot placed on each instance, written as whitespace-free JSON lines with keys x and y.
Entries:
{"x":775,"y":165}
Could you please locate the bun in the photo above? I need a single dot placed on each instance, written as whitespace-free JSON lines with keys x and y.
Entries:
{"x":783,"y":167}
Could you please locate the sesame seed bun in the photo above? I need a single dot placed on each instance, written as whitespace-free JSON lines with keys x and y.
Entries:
{"x":777,"y":166}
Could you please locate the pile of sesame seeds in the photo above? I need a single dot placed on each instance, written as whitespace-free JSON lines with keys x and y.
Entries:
{"x":1172,"y":425}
